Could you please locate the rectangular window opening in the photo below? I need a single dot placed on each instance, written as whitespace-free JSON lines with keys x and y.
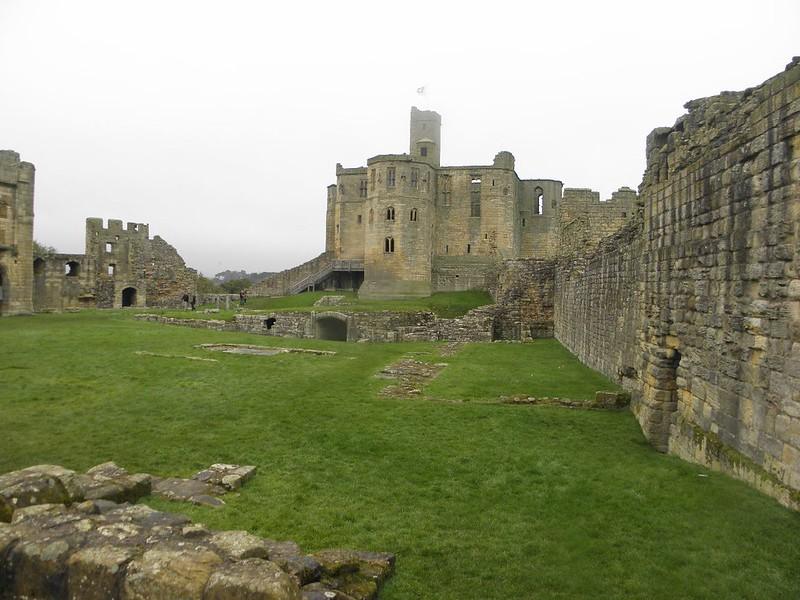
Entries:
{"x":390,"y":177}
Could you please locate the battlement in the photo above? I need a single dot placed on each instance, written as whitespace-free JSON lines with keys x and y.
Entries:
{"x":95,"y":226}
{"x":576,"y":198}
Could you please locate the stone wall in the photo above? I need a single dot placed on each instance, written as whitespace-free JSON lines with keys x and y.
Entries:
{"x":696,"y":307}
{"x":583,"y":220}
{"x":383,"y":326}
{"x":16,"y":234}
{"x":459,"y":273}
{"x":281,"y":284}
{"x":523,"y":292}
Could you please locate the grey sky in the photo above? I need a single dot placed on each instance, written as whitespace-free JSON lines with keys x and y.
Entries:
{"x":220,"y":123}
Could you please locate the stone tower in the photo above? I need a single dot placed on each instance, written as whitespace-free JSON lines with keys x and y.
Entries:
{"x":401,"y":217}
{"x":426,"y":127}
{"x":16,"y":234}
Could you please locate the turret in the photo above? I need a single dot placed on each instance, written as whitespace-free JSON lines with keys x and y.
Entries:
{"x":426,"y":127}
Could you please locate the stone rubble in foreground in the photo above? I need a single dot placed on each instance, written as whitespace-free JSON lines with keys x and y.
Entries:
{"x":73,"y":536}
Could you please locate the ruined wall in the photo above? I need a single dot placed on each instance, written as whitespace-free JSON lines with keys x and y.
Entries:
{"x":583,"y":220}
{"x":122,"y":266}
{"x":166,"y":275}
{"x":16,"y":234}
{"x":523,"y":291}
{"x":700,"y":312}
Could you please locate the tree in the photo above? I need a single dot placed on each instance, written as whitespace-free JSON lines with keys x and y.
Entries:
{"x":206,"y":285}
{"x":42,"y":250}
{"x":234,"y":286}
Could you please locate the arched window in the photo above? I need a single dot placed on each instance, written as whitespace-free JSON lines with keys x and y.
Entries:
{"x":538,"y":203}
{"x":390,"y":213}
{"x":371,"y":216}
{"x":388,"y":245}
{"x":71,"y":269}
{"x":413,"y":216}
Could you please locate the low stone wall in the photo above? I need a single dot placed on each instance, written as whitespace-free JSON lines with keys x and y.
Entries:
{"x":385,"y":326}
{"x":59,"y":546}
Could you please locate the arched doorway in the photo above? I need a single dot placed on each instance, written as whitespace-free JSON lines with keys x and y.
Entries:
{"x":331,"y":328}
{"x":129,"y":297}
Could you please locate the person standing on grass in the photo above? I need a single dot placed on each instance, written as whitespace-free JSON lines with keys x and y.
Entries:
{"x":185,"y":300}
{"x":241,"y":297}
{"x":194,"y":301}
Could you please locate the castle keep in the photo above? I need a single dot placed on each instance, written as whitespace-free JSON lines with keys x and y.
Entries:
{"x":405,"y":226}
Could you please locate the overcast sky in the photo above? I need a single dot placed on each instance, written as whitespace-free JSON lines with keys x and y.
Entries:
{"x":220,"y":123}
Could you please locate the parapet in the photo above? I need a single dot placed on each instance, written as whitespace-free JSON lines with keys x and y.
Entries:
{"x":389,"y":157}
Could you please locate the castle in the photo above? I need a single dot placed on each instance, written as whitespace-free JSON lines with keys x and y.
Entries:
{"x":405,"y":226}
{"x":687,"y":294}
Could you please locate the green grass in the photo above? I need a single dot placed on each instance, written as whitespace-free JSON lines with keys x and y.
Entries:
{"x":478,"y":501}
{"x":443,"y":304}
{"x":542,"y":368}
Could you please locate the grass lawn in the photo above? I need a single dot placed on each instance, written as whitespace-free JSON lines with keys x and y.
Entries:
{"x":479,"y":501}
{"x":443,"y":304}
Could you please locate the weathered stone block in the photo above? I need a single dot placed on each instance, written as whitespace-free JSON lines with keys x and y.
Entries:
{"x":169,"y":574}
{"x":251,"y":579}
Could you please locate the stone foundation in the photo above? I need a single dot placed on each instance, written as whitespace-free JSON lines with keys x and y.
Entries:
{"x":59,"y":546}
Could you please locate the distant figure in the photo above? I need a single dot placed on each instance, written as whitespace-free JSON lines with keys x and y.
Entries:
{"x":244,"y":296}
{"x":185,"y":300}
{"x":194,"y":301}
{"x":268,"y":323}
{"x":241,"y":297}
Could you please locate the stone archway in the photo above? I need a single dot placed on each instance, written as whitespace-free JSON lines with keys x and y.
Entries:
{"x":331,"y":326}
{"x":129,"y":297}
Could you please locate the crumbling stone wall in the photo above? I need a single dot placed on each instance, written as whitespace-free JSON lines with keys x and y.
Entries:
{"x":16,"y":234}
{"x":524,"y":296}
{"x":699,"y":313}
{"x":117,"y":259}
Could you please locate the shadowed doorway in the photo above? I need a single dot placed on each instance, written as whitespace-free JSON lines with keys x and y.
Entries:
{"x":129,"y":297}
